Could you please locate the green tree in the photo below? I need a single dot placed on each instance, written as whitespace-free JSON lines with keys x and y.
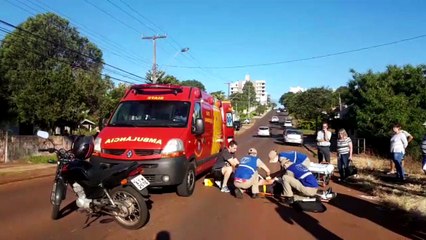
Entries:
{"x":248,"y":97}
{"x":112,"y":98}
{"x":162,"y":78}
{"x":219,"y":95}
{"x":312,"y":104}
{"x":47,"y":65}
{"x":193,"y":83}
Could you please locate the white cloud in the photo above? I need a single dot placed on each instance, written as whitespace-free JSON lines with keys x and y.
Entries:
{"x":297,"y":89}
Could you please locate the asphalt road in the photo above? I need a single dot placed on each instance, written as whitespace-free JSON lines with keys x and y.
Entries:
{"x":208,"y":214}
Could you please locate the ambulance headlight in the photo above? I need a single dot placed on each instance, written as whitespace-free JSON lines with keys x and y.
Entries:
{"x":97,"y":147}
{"x":174,"y":146}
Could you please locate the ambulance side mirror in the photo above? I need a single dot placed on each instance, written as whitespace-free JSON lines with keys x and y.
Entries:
{"x":198,"y":127}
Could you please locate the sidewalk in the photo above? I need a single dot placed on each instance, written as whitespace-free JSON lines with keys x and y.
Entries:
{"x":15,"y":172}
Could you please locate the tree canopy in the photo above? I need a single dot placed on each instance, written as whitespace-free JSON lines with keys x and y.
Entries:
{"x":51,"y":73}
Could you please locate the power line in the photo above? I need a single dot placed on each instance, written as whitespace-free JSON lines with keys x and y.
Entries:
{"x":72,"y":50}
{"x":101,"y":38}
{"x":112,"y":16}
{"x":308,"y":58}
{"x":4,"y":30}
{"x":121,"y":9}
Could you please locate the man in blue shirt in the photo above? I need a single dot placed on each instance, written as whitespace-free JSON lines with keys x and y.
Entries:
{"x":246,"y":174}
{"x":298,"y":177}
{"x":292,"y":156}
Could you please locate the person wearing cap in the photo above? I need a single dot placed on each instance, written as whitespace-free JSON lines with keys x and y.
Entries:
{"x":247,"y":176}
{"x":298,"y":177}
{"x":292,"y":156}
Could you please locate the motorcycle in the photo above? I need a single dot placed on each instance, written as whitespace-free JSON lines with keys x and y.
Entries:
{"x":119,"y":191}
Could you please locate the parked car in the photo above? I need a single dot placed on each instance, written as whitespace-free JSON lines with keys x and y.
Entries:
{"x":275,"y":119}
{"x":246,"y":121}
{"x":263,"y":131}
{"x":237,"y":125}
{"x":288,"y":123}
{"x":292,"y":135}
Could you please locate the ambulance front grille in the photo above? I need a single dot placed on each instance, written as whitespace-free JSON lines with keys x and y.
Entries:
{"x":147,"y":152}
{"x":116,"y":152}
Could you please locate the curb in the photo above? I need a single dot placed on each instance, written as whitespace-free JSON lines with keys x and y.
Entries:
{"x":17,"y":174}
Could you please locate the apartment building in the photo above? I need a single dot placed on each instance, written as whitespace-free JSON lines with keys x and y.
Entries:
{"x":259,"y":87}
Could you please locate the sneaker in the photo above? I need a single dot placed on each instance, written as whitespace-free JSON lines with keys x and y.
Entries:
{"x":391,"y":172}
{"x":238,"y":193}
{"x":255,"y":195}
{"x":218,"y":183}
{"x":225,"y":189}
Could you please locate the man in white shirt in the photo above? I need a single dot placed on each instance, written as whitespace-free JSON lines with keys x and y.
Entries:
{"x":323,"y":143}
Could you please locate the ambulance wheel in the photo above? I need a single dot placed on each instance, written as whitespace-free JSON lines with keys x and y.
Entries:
{"x":186,"y":188}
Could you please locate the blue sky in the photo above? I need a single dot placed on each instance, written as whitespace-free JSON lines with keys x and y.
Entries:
{"x":227,"y":33}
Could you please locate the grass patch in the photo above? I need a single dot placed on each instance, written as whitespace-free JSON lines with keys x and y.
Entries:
{"x":308,"y":132}
{"x":40,"y":159}
{"x":372,"y":179}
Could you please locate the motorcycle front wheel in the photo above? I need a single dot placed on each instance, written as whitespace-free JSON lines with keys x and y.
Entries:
{"x":133,"y":212}
{"x":57,"y":195}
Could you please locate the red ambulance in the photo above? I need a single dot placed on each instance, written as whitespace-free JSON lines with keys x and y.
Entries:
{"x":175,"y":132}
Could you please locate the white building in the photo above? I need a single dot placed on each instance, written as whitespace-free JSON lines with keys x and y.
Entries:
{"x":259,"y":87}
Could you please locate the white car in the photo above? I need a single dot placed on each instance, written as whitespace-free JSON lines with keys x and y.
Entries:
{"x":288,"y":123}
{"x":275,"y":119}
{"x":293,"y":136}
{"x":263,"y":131}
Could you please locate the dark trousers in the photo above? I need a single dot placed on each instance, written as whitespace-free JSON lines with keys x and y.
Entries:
{"x":343,"y":164}
{"x":323,"y":153}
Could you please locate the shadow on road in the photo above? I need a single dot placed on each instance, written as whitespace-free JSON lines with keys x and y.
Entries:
{"x":68,"y":209}
{"x":391,"y":220}
{"x":163,"y":235}
{"x":310,"y":224}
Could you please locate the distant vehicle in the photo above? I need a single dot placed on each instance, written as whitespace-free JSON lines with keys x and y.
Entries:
{"x":275,"y":119}
{"x":292,"y":135}
{"x":246,"y":121}
{"x":288,"y":123}
{"x":237,"y":125}
{"x":263,"y":131}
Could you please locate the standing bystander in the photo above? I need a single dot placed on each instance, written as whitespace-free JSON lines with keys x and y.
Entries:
{"x":344,"y":153}
{"x":398,"y":144}
{"x":323,"y":143}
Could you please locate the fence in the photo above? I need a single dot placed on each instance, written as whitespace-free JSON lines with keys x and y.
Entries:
{"x":19,"y":147}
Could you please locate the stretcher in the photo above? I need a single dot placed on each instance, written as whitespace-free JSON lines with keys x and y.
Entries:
{"x":322,"y":172}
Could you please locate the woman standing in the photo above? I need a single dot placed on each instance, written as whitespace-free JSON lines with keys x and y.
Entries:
{"x":344,"y":151}
{"x":398,"y":144}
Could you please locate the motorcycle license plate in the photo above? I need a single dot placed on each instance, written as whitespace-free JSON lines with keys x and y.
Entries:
{"x":140,"y":182}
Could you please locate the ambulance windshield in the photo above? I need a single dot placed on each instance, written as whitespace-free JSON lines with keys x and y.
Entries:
{"x":151,"y":114}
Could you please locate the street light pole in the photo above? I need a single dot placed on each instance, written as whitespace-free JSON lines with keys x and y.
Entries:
{"x":154,"y":63}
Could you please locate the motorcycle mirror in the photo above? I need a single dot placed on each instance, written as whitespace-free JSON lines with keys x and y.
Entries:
{"x":43,"y":134}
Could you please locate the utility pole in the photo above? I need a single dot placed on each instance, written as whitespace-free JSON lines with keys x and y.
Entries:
{"x":154,"y":62}
{"x":248,"y":110}
{"x":229,"y":88}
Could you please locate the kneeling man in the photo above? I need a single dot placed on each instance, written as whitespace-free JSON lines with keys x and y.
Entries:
{"x":298,"y":177}
{"x":246,"y":175}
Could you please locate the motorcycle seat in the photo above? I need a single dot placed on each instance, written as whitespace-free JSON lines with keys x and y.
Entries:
{"x":98,"y":174}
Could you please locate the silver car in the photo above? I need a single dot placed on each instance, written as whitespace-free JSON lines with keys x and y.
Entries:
{"x":294,"y":136}
{"x":263,"y":131}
